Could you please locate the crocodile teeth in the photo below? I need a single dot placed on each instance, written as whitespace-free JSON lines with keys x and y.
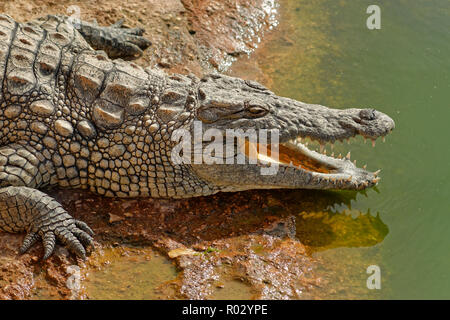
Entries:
{"x":321,"y":147}
{"x":301,"y":143}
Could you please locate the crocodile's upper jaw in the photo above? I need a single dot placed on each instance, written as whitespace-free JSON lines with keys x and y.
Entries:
{"x":230,"y":103}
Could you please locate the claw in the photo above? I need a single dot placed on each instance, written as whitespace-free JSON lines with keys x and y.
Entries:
{"x":83,"y":226}
{"x":47,"y":222}
{"x":30,"y":239}
{"x":85,"y":238}
{"x":49,"y":244}
{"x":72,"y":243}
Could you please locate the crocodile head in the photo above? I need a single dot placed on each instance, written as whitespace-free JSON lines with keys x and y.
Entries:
{"x":226,"y":103}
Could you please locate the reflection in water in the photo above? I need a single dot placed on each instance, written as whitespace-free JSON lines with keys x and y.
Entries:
{"x":325,"y":220}
{"x":325,"y":230}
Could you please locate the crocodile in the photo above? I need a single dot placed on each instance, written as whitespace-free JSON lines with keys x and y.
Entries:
{"x":76,"y":112}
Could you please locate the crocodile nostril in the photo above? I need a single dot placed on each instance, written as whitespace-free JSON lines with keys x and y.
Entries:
{"x":367,"y":114}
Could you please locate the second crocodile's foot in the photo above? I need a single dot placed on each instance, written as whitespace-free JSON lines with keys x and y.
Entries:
{"x":115,"y":40}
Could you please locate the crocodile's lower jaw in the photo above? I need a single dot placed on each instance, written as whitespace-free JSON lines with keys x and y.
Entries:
{"x":327,"y":171}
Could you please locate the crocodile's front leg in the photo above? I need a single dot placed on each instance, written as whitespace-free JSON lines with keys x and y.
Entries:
{"x":23,"y":208}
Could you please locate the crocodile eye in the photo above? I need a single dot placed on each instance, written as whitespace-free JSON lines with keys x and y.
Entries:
{"x":256,"y":109}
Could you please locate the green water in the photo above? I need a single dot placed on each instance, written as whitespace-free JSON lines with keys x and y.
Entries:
{"x":322,"y":52}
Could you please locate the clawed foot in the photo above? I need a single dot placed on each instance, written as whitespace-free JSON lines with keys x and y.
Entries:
{"x":43,"y":218}
{"x":73,"y":234}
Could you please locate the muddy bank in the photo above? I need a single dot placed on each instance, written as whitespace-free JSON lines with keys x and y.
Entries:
{"x":249,"y":245}
{"x":247,"y":240}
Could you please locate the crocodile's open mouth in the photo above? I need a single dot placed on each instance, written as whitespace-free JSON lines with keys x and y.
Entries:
{"x":335,"y":171}
{"x":292,"y":154}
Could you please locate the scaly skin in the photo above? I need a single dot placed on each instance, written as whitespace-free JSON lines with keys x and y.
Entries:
{"x":72,"y":117}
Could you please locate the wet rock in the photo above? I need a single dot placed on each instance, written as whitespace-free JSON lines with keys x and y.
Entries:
{"x":73,"y":283}
{"x":181,"y":252}
{"x":210,"y":23}
{"x":115,"y":218}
